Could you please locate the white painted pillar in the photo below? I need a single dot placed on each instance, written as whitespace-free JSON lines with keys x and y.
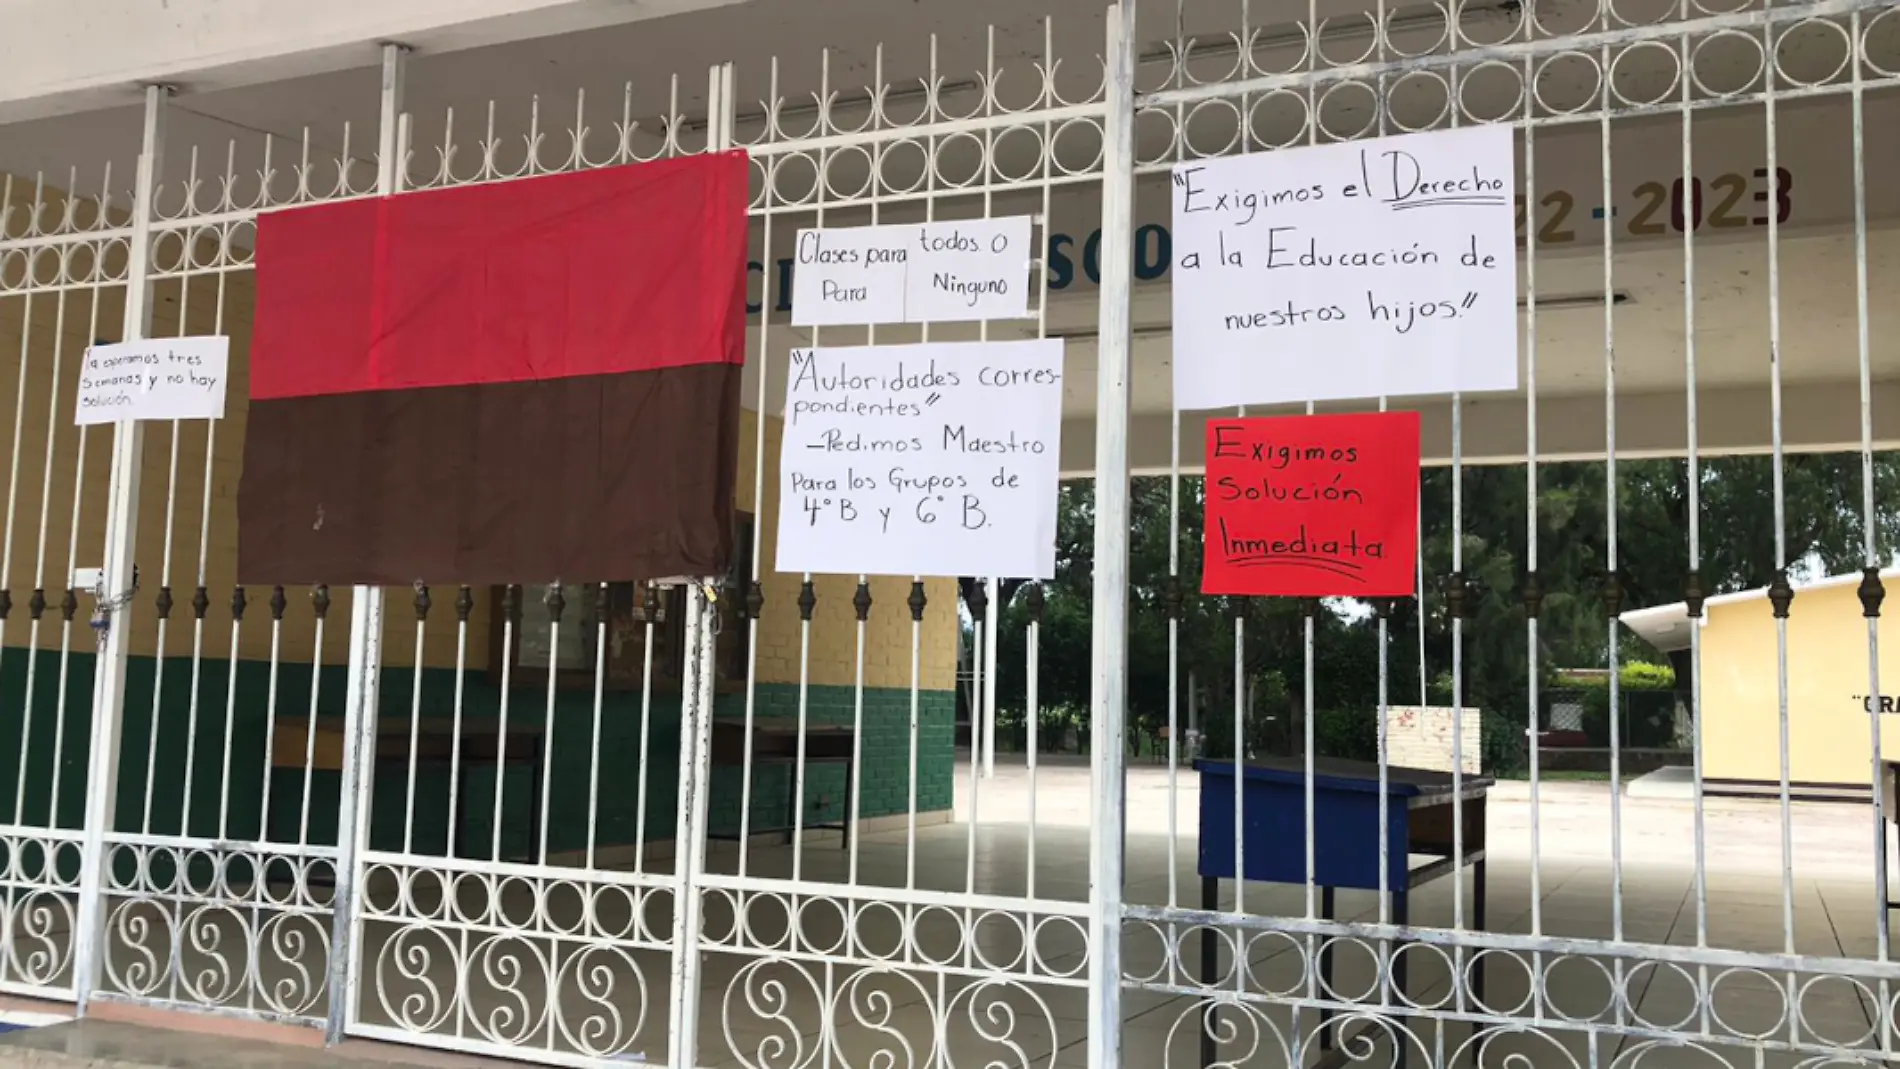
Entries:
{"x":1108,"y":752}
{"x":119,"y":577}
{"x":360,"y":702}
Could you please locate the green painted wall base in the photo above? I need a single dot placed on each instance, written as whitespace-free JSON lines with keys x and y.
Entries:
{"x":184,"y":784}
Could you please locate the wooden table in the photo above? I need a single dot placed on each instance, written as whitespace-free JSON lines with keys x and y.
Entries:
{"x":775,"y":742}
{"x":434,"y":739}
{"x":1415,"y":817}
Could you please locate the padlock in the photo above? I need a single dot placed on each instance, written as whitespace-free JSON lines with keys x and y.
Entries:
{"x":102,"y":609}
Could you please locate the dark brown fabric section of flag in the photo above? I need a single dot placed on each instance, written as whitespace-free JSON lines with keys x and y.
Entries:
{"x":592,"y":478}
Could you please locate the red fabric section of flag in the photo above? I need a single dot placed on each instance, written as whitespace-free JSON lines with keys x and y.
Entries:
{"x":598,"y":272}
{"x":1312,"y":506}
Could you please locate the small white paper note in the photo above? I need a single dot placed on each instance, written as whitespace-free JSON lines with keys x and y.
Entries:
{"x":970,"y":270}
{"x":933,"y":459}
{"x":1384,"y":267}
{"x":159,"y":379}
{"x":850,"y":275}
{"x":952,"y":271}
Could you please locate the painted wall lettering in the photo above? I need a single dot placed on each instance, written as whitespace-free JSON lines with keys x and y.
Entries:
{"x":1663,"y":207}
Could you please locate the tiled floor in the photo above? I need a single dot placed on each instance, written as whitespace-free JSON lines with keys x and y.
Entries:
{"x":773,"y":996}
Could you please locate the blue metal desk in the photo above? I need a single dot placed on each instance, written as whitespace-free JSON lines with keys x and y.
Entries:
{"x":1414,"y":814}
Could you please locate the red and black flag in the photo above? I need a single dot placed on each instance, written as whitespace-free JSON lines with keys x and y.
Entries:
{"x":503,"y":383}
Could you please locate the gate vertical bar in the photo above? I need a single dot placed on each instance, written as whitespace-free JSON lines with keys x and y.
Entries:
{"x":365,"y":657}
{"x":989,"y":677}
{"x":695,"y":741}
{"x":1109,"y":648}
{"x":1873,"y":588}
{"x":117,"y":583}
{"x":696,"y":712}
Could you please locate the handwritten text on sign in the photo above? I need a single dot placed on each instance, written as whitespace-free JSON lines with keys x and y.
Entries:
{"x":933,"y":459}
{"x":1312,"y":506}
{"x":165,"y":378}
{"x":963,"y":270}
{"x":1371,"y":268}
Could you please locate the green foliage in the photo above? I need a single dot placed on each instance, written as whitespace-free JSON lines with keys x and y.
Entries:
{"x":1735,"y":516}
{"x":1631,"y":675}
{"x":1200,"y":643}
{"x":1640,"y":675}
{"x":1266,"y":722}
{"x":1647,"y":721}
{"x":1493,"y":520}
{"x":1347,"y":733}
{"x":1505,"y":746}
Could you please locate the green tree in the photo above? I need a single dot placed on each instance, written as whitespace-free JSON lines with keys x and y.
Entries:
{"x":1736,"y":519}
{"x":1165,"y":514}
{"x":1735,"y":505}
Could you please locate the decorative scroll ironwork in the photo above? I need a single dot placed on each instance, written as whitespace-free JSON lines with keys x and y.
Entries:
{"x":194,"y":925}
{"x":515,"y":959}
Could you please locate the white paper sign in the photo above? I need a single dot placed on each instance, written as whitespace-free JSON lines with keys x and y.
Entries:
{"x":970,"y":270}
{"x":933,"y":459}
{"x":1380,"y":267}
{"x":962,"y":270}
{"x":850,"y":275}
{"x":160,"y":379}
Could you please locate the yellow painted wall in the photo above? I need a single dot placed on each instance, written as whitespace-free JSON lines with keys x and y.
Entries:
{"x":41,"y":342}
{"x":46,"y":334}
{"x":1828,"y":729}
{"x":43,"y":338}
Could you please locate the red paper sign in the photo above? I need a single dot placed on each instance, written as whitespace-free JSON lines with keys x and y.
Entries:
{"x":1312,"y":506}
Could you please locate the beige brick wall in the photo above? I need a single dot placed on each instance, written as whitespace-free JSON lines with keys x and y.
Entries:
{"x":42,"y":340}
{"x":1421,"y":737}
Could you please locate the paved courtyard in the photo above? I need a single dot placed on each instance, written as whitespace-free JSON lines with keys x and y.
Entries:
{"x":760,"y":1008}
{"x":1044,"y":1025}
{"x":1833,"y":904}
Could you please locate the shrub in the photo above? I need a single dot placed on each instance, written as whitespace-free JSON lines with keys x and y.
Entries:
{"x":1352,"y":734}
{"x":1646,"y":693}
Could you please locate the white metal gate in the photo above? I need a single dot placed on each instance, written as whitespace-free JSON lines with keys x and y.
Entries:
{"x":723,"y":820}
{"x":1315,"y":976}
{"x":63,"y":267}
{"x":211,"y":868}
